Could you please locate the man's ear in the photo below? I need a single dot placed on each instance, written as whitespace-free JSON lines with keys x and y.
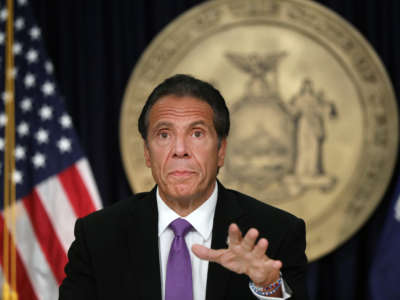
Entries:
{"x":146,"y":154}
{"x":222,"y":152}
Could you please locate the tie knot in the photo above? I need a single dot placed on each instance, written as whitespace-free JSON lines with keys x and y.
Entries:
{"x":180,"y":227}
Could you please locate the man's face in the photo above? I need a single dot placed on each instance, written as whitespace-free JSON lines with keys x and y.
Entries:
{"x":182,"y":148}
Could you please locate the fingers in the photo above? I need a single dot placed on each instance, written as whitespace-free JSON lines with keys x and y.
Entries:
{"x":249,"y":239}
{"x":259,"y":253}
{"x":276,"y":264}
{"x":273,"y":264}
{"x":247,"y":243}
{"x":260,"y":249}
{"x":207,"y":253}
{"x":234,"y":235}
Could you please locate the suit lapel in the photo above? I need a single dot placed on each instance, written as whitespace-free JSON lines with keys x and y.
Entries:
{"x":142,"y":236}
{"x":226,"y":212}
{"x":143,"y":247}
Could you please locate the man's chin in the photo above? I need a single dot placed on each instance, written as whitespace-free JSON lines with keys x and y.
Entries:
{"x":183,"y":192}
{"x":188,"y":190}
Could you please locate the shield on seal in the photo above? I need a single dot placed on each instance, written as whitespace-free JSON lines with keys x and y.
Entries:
{"x":261,"y":152}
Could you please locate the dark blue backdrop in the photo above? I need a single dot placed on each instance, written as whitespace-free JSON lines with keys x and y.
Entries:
{"x":95,"y":44}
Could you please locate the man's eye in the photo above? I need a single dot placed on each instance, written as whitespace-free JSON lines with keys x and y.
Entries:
{"x":163,"y":135}
{"x":197,"y":134}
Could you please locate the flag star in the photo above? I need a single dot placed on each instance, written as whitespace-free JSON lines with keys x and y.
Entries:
{"x":17,"y":48}
{"x":29,"y":80}
{"x":42,"y":136}
{"x":23,"y":129}
{"x":2,"y":144}
{"x":64,"y":145}
{"x":32,"y":56}
{"x":12,"y":73}
{"x":22,"y":2}
{"x":46,"y":112}
{"x":19,"y":23}
{"x":397,"y":210}
{"x":6,"y":96}
{"x":48,"y":88}
{"x":19,"y":152}
{"x":39,"y":160}
{"x":17,"y":177}
{"x":49,"y":67}
{"x":3,"y":119}
{"x":3,"y":14}
{"x":35,"y":33}
{"x":65,"y":121}
{"x":2,"y":37}
{"x":26,"y":104}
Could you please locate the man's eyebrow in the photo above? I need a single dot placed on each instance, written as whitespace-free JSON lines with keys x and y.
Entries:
{"x":200,"y":122}
{"x":170,"y":124}
{"x":163,"y":124}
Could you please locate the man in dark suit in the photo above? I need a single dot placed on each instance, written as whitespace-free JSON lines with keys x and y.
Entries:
{"x":183,"y":240}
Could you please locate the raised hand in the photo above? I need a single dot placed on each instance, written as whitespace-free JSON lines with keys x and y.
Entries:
{"x":243,"y":256}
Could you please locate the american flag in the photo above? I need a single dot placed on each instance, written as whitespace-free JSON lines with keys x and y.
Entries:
{"x":54,"y":184}
{"x":385,"y":270}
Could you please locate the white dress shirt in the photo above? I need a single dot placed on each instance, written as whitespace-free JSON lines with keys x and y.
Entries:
{"x":201,"y":220}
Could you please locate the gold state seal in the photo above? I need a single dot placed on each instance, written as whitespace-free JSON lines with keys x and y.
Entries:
{"x":314,"y":117}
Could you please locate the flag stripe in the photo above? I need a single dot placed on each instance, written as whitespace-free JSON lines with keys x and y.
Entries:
{"x":58,"y":208}
{"x":45,"y":234}
{"x":32,"y":256}
{"x":84,"y":169}
{"x":24,"y":285}
{"x":77,"y":192}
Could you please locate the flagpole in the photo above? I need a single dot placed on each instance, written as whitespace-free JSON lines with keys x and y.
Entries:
{"x":9,"y":251}
{"x":6,"y":288}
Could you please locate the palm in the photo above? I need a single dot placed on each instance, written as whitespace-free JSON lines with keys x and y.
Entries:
{"x":243,"y":256}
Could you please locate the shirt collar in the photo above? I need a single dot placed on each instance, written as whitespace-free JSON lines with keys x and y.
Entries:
{"x":201,"y":218}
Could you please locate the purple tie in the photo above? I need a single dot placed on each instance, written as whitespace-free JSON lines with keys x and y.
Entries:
{"x":178,"y":285}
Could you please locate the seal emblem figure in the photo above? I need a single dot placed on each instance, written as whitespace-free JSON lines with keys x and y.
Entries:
{"x":283,"y":152}
{"x":313,"y":112}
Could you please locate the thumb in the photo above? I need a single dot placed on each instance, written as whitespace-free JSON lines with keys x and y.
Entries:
{"x":206,"y":253}
{"x":200,"y":251}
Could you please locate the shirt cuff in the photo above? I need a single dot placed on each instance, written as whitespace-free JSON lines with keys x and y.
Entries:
{"x":286,"y":292}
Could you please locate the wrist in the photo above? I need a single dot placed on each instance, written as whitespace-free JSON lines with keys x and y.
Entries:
{"x":267,"y":289}
{"x":269,"y":281}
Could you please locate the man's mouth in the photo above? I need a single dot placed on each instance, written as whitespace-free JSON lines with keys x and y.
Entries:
{"x":181,"y":173}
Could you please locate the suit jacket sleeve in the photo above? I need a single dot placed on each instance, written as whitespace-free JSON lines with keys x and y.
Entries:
{"x":294,"y":260}
{"x":79,"y":283}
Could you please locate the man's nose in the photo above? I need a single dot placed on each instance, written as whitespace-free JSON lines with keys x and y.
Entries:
{"x":181,"y":148}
